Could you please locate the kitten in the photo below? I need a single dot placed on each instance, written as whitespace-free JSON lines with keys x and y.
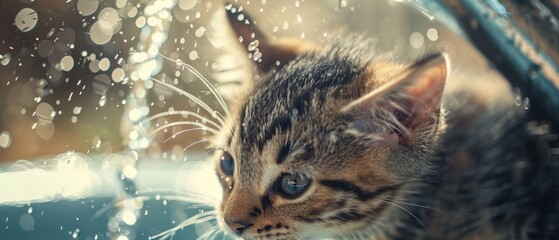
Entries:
{"x":330,"y":141}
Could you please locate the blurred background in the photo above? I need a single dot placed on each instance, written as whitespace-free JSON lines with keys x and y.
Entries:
{"x":93,"y":146}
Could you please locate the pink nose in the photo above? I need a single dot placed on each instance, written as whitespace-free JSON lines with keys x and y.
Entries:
{"x":238,"y":226}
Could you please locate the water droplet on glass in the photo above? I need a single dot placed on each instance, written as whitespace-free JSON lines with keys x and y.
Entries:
{"x":87,"y":7}
{"x":101,"y":32}
{"x":241,"y":17}
{"x":240,"y":39}
{"x":27,"y":222}
{"x":67,"y":63}
{"x":299,"y":19}
{"x":4,"y":60}
{"x":342,"y":3}
{"x":193,"y":55}
{"x":416,"y":40}
{"x":432,"y":34}
{"x":76,"y":234}
{"x":77,"y":110}
{"x":26,"y":19}
{"x":253,"y":45}
{"x":5,"y":139}
{"x":118,"y":75}
{"x":102,"y":100}
{"x":285,"y":25}
{"x":200,"y":32}
{"x":517,"y":97}
{"x":129,"y":217}
{"x":256,"y":56}
{"x":526,"y":103}
{"x":104,"y":64}
{"x":187,"y":4}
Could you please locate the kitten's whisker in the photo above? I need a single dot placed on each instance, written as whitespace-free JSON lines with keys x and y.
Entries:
{"x":208,"y":233}
{"x":196,"y":219}
{"x":194,"y":143}
{"x":183,"y":112}
{"x":410,"y":213}
{"x":415,"y":205}
{"x":215,"y":114}
{"x":214,"y":131}
{"x":297,"y":235}
{"x":208,"y":84}
{"x":197,"y":200}
{"x":182,"y":131}
{"x":215,"y":233}
{"x":179,"y":192}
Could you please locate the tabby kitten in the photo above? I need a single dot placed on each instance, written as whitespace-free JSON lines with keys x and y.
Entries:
{"x":332,"y":141}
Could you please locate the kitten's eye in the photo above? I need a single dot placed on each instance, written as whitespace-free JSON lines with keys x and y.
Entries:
{"x":292,"y":185}
{"x":227,"y":164}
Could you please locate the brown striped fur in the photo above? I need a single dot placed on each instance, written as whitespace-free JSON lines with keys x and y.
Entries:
{"x":371,"y":136}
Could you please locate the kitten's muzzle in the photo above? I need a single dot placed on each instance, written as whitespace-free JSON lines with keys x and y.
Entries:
{"x":237,"y":226}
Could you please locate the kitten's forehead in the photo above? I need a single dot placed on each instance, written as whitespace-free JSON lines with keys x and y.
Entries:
{"x":296,"y":93}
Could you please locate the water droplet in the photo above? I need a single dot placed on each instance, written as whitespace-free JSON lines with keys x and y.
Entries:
{"x":187,"y":4}
{"x":102,"y":100}
{"x":253,"y":45}
{"x":26,"y":19}
{"x":157,"y":197}
{"x":299,"y":18}
{"x":4,"y":60}
{"x":526,"y":103}
{"x":285,"y":25}
{"x":257,"y":56}
{"x":101,"y":32}
{"x":87,"y":7}
{"x":67,"y":63}
{"x":241,"y":17}
{"x":129,"y":217}
{"x":118,"y":75}
{"x":104,"y":64}
{"x":30,"y":210}
{"x":343,"y":3}
{"x":432,"y":34}
{"x":5,"y":139}
{"x":76,"y":234}
{"x":200,"y":31}
{"x":416,"y":40}
{"x":27,"y":222}
{"x":240,"y":39}
{"x":193,"y":55}
{"x":44,"y":112}
{"x":77,"y":110}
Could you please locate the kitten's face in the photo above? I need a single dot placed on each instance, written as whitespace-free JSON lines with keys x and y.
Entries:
{"x":323,"y":144}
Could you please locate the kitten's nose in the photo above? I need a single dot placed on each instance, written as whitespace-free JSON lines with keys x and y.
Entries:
{"x":238,"y":226}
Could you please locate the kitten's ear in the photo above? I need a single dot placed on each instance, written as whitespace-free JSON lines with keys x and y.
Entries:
{"x":410,"y":102}
{"x":264,"y":52}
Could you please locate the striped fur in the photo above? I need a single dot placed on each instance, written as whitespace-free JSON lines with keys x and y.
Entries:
{"x":382,"y":159}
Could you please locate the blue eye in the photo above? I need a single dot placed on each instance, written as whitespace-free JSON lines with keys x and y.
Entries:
{"x":292,"y":185}
{"x":227,"y":164}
